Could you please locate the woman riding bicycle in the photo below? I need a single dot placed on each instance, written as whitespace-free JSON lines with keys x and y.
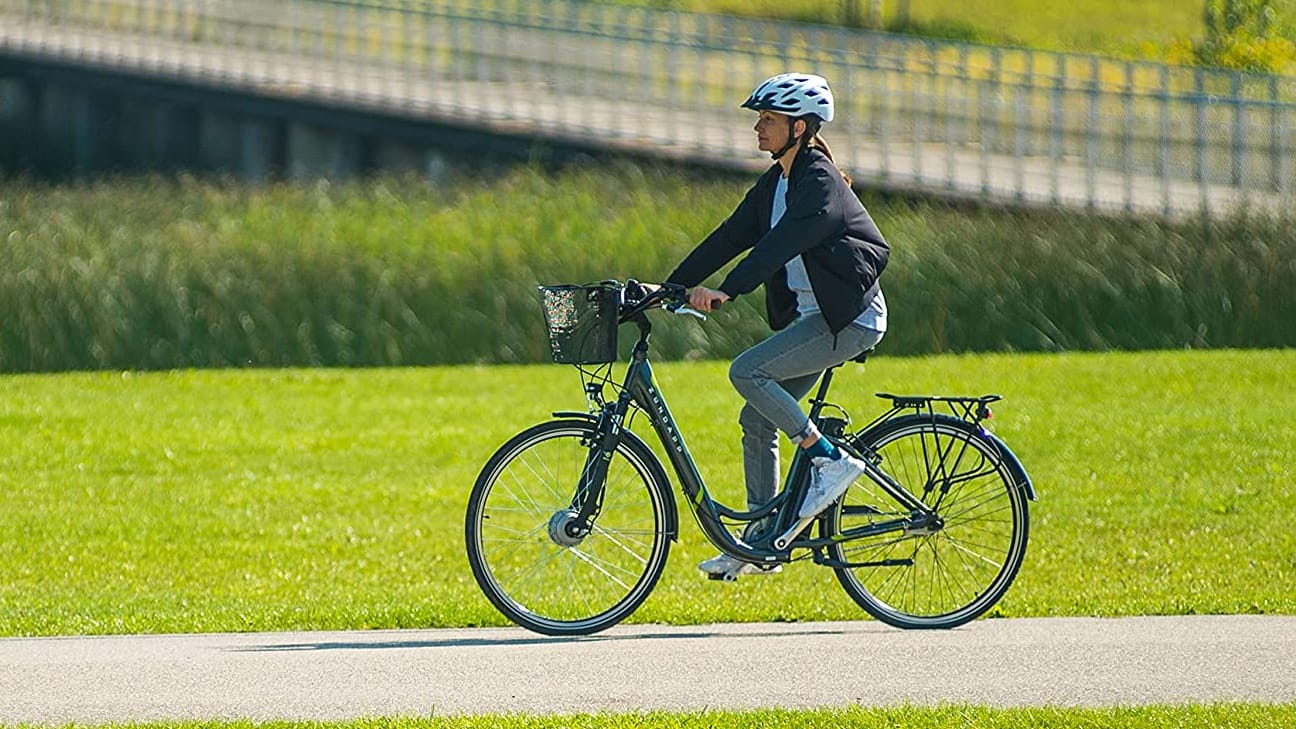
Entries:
{"x":808,"y":238}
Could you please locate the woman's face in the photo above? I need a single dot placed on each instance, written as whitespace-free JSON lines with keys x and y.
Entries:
{"x":772,"y":130}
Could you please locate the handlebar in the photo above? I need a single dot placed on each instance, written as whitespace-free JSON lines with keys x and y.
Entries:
{"x":638,"y":298}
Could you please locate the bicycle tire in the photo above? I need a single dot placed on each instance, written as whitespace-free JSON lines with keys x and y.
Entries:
{"x":547,"y":582}
{"x":957,"y":572}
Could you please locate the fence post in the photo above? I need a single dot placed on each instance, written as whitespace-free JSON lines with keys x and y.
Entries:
{"x":700,"y":83}
{"x":731,"y":80}
{"x":672,"y":75}
{"x":1238,"y":163}
{"x":1274,"y":178}
{"x":883,"y":118}
{"x":1021,"y":105}
{"x":341,"y":27}
{"x":1199,"y":133}
{"x":871,"y":52}
{"x":785,"y":37}
{"x":1284,"y":187}
{"x":1163,"y":146}
{"x":1127,"y":162}
{"x":476,"y":39}
{"x":454,"y":58}
{"x":1055,"y":134}
{"x":915,"y":79}
{"x":1091,"y":136}
{"x":989,"y":88}
{"x":595,"y":24}
{"x":647,"y":84}
{"x":951,"y":172}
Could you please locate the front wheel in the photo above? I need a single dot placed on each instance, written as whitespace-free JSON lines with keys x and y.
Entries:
{"x":535,"y":570}
{"x":954,"y":568}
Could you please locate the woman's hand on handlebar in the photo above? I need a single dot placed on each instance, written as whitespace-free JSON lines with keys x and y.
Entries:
{"x":706,"y":300}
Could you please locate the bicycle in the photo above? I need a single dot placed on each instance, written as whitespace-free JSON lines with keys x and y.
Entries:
{"x":568,"y":526}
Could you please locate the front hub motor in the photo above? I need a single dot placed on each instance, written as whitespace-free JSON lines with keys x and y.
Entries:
{"x":563,"y":529}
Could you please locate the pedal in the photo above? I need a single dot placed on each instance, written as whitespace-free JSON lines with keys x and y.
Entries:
{"x":782,"y":541}
{"x":771,"y":568}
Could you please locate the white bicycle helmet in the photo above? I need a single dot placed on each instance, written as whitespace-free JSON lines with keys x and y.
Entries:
{"x":794,"y":94}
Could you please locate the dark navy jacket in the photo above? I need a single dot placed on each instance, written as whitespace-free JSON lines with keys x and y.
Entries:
{"x":825,"y":223}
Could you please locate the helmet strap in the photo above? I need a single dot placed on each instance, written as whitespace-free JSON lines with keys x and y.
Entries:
{"x":791,"y":142}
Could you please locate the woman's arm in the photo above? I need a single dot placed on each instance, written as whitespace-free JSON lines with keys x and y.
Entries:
{"x":736,"y":234}
{"x":813,"y":216}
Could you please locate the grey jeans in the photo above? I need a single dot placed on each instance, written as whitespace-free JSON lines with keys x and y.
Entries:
{"x":772,"y":377}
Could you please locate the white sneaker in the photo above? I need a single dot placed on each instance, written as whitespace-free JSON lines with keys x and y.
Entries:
{"x":828,"y":482}
{"x":724,"y":567}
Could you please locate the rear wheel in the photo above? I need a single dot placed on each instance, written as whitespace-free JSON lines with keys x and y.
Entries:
{"x":957,"y":566}
{"x":536,"y":570}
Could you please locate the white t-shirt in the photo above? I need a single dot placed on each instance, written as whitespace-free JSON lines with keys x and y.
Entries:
{"x":874,"y":315}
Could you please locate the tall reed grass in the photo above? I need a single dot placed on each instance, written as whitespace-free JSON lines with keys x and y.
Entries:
{"x":152,"y":273}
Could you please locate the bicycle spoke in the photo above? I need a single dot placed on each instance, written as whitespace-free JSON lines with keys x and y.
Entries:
{"x":535,"y":509}
{"x":624,"y":546}
{"x":957,"y":571}
{"x":970,"y":500}
{"x":588,"y":559}
{"x":530,"y":575}
{"x":571,"y":580}
{"x":511,"y":530}
{"x":509,"y":548}
{"x":971,"y":553}
{"x":542,"y":580}
{"x":945,"y":577}
{"x":547,"y":479}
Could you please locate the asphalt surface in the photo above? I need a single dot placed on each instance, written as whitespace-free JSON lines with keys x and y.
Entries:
{"x":1026,"y":662}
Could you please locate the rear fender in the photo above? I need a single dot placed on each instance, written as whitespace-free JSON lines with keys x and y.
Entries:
{"x":1014,"y":466}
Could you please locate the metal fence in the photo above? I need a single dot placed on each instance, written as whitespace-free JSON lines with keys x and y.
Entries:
{"x":959,"y":118}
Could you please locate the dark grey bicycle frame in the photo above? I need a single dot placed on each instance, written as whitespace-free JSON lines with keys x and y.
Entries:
{"x":641,"y":387}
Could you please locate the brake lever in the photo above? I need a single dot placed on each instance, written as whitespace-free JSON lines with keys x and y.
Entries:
{"x":684,"y":309}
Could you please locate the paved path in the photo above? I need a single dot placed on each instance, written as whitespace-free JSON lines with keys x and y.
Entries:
{"x":1047,"y":661}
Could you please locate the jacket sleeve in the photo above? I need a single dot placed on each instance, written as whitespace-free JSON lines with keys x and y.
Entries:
{"x":812,"y":217}
{"x":736,"y":234}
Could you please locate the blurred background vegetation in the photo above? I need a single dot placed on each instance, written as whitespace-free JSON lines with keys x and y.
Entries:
{"x":155,"y":273}
{"x":152,"y":272}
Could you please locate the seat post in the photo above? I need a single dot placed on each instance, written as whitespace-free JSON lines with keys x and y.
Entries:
{"x":820,"y":398}
{"x":817,"y":402}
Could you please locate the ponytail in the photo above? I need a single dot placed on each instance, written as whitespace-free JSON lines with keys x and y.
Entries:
{"x":818,"y":143}
{"x":814,"y":140}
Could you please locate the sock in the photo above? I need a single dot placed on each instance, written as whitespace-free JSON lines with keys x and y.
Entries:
{"x":823,"y":449}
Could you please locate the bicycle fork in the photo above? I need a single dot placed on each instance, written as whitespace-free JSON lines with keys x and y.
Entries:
{"x":570,"y":526}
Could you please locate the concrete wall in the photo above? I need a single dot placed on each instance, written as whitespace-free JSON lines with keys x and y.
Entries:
{"x":62,"y":122}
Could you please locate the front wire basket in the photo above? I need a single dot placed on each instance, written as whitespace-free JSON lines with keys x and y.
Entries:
{"x":582,"y":322}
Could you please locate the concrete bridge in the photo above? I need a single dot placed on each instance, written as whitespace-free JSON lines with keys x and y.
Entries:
{"x":309,"y":88}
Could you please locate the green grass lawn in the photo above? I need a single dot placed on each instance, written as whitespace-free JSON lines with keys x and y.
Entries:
{"x":239,"y":500}
{"x":1131,"y":29}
